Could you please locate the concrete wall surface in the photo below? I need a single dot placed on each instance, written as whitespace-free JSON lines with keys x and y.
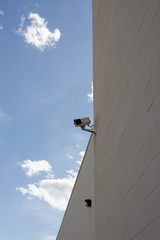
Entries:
{"x":126,"y":70}
{"x":121,"y":168}
{"x":79,"y":220}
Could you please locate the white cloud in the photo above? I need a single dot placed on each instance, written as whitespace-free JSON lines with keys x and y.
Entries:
{"x":1,"y":12}
{"x":50,"y":238}
{"x":37,"y":34}
{"x":72,"y":173}
{"x":36,"y":4}
{"x":55,"y":192}
{"x":22,"y":190}
{"x":4,"y":117}
{"x":82,"y":155}
{"x":32,"y":168}
{"x":22,"y":19}
{"x":90,"y":95}
{"x":70,"y":157}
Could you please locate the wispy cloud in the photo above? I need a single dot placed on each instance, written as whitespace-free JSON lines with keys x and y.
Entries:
{"x":82,"y":155}
{"x":70,"y":157}
{"x":37,"y":34}
{"x":36,"y":4}
{"x":50,"y":238}
{"x":72,"y":173}
{"x":90,"y":95}
{"x":32,"y":168}
{"x":1,"y":12}
{"x":4,"y":117}
{"x":55,"y":192}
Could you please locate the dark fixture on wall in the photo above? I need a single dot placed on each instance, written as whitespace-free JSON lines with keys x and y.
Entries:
{"x":83,"y":122}
{"x":88,"y":202}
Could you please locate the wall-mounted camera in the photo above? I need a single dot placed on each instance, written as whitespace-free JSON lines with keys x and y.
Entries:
{"x":80,"y":122}
{"x":83,"y":122}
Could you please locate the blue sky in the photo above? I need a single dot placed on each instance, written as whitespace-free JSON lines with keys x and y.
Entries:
{"x":45,"y":83}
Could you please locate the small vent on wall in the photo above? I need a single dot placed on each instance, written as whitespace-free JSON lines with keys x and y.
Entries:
{"x":88,"y":202}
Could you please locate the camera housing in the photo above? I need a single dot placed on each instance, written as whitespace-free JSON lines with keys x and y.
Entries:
{"x":82,"y":122}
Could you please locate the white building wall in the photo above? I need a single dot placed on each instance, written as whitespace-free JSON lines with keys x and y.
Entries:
{"x":79,"y":220}
{"x":121,"y":167}
{"x":126,"y":65}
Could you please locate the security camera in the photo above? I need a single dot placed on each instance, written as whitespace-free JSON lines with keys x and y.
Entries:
{"x":83,"y":122}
